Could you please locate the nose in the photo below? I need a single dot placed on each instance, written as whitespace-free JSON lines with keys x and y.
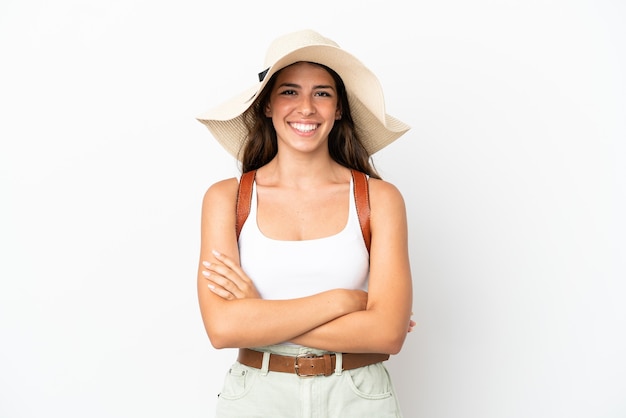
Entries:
{"x":306,"y":106}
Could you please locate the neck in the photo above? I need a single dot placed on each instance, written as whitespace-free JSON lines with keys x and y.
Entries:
{"x":302,"y":172}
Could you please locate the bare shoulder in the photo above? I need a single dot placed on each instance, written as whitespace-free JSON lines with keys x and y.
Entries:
{"x":385,"y":196}
{"x":222,"y":194}
{"x":223,"y":187}
{"x":388,"y":217}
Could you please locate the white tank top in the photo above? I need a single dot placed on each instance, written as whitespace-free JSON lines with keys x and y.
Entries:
{"x":292,"y":269}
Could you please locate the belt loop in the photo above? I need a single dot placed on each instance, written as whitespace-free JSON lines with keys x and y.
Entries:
{"x":338,"y":363}
{"x":265,"y":366}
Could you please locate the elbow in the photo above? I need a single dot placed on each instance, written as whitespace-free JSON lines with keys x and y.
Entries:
{"x":395,"y":349}
{"x":394,"y":346}
{"x":218,"y":343}
{"x":221,"y":337}
{"x":390,"y":335}
{"x":392,"y":342}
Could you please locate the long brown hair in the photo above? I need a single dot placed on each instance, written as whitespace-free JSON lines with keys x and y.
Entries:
{"x":343,"y":142}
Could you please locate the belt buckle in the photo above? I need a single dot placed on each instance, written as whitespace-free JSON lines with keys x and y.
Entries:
{"x":297,"y":365}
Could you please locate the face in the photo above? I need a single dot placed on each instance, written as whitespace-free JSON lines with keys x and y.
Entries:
{"x":303,"y":106}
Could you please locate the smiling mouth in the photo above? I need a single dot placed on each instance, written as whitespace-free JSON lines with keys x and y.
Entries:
{"x":304,"y":127}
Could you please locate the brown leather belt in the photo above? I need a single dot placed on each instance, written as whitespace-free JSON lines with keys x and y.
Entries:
{"x":308,"y":364}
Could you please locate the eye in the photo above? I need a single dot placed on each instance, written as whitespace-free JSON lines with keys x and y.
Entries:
{"x":324,"y":94}
{"x":287,"y":92}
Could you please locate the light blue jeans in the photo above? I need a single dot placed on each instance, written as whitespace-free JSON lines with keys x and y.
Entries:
{"x":359,"y":393}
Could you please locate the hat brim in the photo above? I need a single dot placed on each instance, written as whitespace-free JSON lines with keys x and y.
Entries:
{"x":375,"y":128}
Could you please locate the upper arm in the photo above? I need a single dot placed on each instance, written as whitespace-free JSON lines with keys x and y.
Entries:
{"x":217,"y":233}
{"x":218,"y":219}
{"x":390,"y":283}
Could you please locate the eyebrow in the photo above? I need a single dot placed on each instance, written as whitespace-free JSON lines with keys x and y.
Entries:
{"x":293,"y":85}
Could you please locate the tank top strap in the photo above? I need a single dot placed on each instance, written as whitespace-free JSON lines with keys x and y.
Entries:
{"x":352,"y":209}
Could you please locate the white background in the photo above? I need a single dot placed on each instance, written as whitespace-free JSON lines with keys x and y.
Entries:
{"x":513,"y":176}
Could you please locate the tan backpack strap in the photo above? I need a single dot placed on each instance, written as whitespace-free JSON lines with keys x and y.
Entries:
{"x":362,"y":200}
{"x":244,"y":199}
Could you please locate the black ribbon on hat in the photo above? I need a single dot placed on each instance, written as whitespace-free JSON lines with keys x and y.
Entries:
{"x":262,"y":74}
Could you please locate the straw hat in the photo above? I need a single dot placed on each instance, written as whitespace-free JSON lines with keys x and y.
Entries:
{"x":375,"y":128}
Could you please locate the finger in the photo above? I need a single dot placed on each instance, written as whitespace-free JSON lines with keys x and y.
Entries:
{"x":230,"y":263}
{"x":224,"y":283}
{"x":237,"y":283}
{"x":235,"y":273}
{"x":219,"y":291}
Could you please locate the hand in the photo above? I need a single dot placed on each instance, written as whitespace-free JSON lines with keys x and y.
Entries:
{"x":228,"y":280}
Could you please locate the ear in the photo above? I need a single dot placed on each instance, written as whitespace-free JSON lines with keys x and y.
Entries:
{"x":268,"y":110}
{"x":338,"y":114}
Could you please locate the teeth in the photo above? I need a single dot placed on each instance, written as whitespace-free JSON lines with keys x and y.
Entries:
{"x":304,"y":127}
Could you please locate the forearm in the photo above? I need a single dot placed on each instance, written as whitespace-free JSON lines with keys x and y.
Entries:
{"x":359,"y":332}
{"x":258,"y":322}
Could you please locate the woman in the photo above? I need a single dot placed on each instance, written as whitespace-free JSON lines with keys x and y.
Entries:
{"x":299,"y":269}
